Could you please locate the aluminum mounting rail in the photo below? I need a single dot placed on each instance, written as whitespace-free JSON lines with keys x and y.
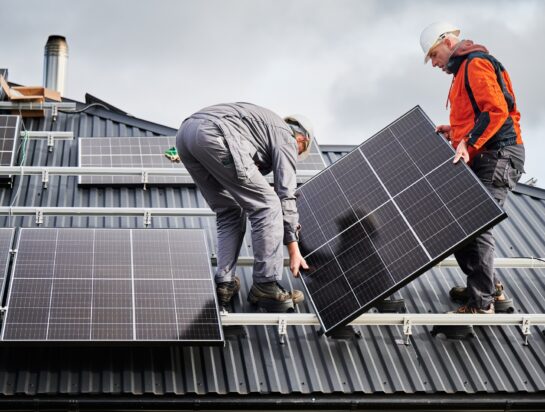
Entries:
{"x":144,"y":173}
{"x":50,"y":136}
{"x":407,"y":320}
{"x":145,"y":212}
{"x":506,"y":263}
{"x":45,"y":134}
{"x":37,"y":106}
{"x":92,"y":171}
{"x":54,"y":107}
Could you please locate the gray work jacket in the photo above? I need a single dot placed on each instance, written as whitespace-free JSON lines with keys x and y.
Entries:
{"x":256,"y":135}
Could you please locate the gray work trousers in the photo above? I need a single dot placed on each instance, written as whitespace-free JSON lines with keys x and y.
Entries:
{"x":499,"y":171}
{"x":205,"y":155}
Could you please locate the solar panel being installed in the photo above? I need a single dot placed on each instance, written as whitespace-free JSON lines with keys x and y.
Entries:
{"x":148,"y":152}
{"x":6,"y":239}
{"x":384,"y":214}
{"x":123,"y":285}
{"x":9,"y":137}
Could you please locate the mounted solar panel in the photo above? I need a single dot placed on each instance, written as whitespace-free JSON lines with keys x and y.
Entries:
{"x":314,"y":161}
{"x":384,"y":214}
{"x":9,"y":138}
{"x":6,"y":239}
{"x":113,"y":285}
{"x":148,"y":152}
{"x":137,"y":152}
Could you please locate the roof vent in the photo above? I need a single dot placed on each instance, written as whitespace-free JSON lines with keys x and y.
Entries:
{"x":55,"y":62}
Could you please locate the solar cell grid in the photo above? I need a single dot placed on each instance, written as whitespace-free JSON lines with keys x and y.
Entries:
{"x":114,"y":285}
{"x":128,"y":152}
{"x":9,"y":138}
{"x":384,"y":214}
{"x":148,"y":152}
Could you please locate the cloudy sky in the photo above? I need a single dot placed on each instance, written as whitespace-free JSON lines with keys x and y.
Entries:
{"x":352,"y":66}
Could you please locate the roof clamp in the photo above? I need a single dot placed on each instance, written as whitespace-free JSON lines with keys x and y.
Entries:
{"x":407,"y":330}
{"x":145,"y":178}
{"x":50,"y":141}
{"x":526,"y":329}
{"x":147,"y":218}
{"x":39,"y":216}
{"x":45,"y":178}
{"x":282,"y":329}
{"x":54,"y":112}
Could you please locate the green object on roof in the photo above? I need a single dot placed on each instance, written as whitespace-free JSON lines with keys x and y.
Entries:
{"x":172,"y":154}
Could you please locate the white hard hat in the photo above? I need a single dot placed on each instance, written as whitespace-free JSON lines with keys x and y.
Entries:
{"x":301,"y":124}
{"x":433,"y":34}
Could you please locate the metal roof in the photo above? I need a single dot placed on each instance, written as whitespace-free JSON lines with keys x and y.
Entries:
{"x":256,"y":368}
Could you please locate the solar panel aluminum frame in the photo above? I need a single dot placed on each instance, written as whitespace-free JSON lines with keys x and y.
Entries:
{"x":328,"y":331}
{"x":13,"y":162}
{"x":4,"y":271}
{"x":107,"y":342}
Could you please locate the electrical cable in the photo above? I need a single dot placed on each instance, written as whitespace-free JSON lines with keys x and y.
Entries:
{"x":21,"y":150}
{"x":84,"y":109}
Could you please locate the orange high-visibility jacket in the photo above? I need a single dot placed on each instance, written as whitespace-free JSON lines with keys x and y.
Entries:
{"x":483,"y":107}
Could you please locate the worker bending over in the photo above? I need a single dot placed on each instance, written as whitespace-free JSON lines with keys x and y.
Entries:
{"x":227,"y":148}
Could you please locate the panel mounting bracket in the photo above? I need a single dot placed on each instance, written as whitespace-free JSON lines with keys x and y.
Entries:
{"x":526,"y":331}
{"x":45,"y":178}
{"x":54,"y":112}
{"x":39,"y":216}
{"x":147,"y":218}
{"x":50,"y":141}
{"x":145,"y":178}
{"x":282,"y":329}
{"x":407,"y":330}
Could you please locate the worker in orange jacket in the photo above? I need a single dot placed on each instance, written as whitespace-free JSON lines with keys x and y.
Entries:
{"x":485,"y":131}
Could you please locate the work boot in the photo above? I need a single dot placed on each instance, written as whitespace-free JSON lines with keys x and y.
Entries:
{"x":465,"y":309}
{"x":226,"y":291}
{"x":272,"y":293}
{"x":461,"y":295}
{"x":274,"y":290}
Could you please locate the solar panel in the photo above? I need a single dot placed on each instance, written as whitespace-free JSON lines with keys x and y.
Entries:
{"x":138,"y":152}
{"x":384,"y":214}
{"x":314,"y":161}
{"x":9,"y":137}
{"x":148,"y":152}
{"x":124,"y":285}
{"x":6,"y":239}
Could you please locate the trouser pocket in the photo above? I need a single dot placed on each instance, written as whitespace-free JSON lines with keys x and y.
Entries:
{"x":505,"y":175}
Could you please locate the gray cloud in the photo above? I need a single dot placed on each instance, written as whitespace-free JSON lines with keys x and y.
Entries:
{"x":352,"y":66}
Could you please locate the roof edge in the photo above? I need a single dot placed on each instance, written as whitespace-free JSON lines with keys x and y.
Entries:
{"x":397,"y":401}
{"x":102,"y":111}
{"x":533,"y":191}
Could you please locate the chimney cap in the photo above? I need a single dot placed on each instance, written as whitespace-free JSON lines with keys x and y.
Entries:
{"x":54,"y":37}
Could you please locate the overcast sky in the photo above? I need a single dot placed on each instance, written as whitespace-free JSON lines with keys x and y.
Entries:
{"x":351,"y":66}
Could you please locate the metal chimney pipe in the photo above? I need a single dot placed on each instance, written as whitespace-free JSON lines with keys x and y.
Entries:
{"x":55,"y":62}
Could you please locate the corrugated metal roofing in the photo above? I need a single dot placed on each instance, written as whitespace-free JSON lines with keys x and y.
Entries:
{"x":494,"y":362}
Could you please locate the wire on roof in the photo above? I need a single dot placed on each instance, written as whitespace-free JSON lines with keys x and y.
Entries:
{"x":85,"y":108}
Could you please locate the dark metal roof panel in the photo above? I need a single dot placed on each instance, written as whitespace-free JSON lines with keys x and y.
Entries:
{"x":495,"y":361}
